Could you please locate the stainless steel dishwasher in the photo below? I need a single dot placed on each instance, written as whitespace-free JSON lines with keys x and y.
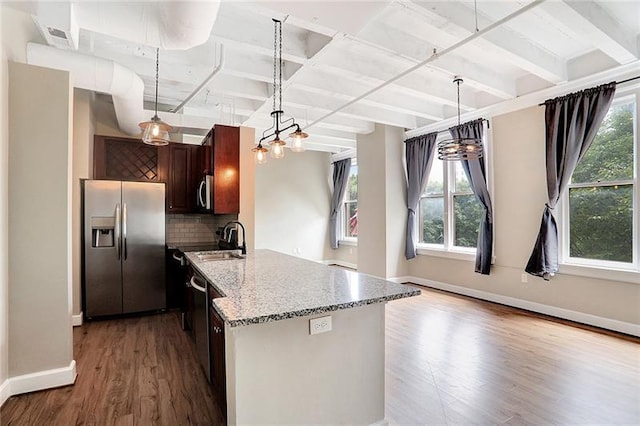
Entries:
{"x":200,"y":324}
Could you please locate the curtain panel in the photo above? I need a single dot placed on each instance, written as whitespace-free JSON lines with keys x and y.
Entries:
{"x":419,"y":156}
{"x":340,"y":178}
{"x":572,"y":122}
{"x":477,"y":177}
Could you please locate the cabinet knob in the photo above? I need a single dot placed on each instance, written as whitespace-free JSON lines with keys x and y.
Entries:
{"x":217,"y":330}
{"x":170,"y":207}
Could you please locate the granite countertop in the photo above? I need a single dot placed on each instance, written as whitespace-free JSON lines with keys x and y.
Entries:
{"x":270,"y":286}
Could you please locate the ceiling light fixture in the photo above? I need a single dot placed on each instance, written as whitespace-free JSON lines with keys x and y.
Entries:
{"x":459,"y":148}
{"x":155,"y":131}
{"x":279,"y":125}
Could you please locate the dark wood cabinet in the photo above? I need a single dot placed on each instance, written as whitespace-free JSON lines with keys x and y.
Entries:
{"x":128,"y":159}
{"x":220,"y":157}
{"x":217,"y":357}
{"x":176,"y":279}
{"x":181,"y":183}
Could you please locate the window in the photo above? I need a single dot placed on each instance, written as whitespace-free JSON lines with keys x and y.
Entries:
{"x":350,"y":208}
{"x":449,"y":212}
{"x":599,"y":221}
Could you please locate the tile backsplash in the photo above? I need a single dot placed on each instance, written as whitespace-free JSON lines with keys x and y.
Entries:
{"x":195,"y":228}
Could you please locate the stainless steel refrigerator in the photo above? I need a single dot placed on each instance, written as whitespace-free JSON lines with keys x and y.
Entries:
{"x":124,"y":247}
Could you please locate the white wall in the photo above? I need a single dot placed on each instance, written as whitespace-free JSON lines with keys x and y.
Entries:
{"x":519,"y":197}
{"x":292,"y":204}
{"x":83,"y":130}
{"x":40,"y":336}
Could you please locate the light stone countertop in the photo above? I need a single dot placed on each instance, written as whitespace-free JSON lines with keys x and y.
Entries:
{"x":271,"y":286}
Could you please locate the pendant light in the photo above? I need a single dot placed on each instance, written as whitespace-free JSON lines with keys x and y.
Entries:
{"x":279,"y":125}
{"x":460,"y":148}
{"x":155,"y":131}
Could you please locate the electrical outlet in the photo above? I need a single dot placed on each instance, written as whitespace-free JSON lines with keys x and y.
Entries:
{"x":320,"y":325}
{"x":524,"y":277}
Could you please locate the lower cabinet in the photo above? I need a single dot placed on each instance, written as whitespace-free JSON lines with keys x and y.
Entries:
{"x":217,"y":356}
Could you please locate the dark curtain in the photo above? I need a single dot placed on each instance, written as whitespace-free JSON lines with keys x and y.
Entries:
{"x":340,"y":178}
{"x":477,"y":176}
{"x":419,"y":156}
{"x":572,"y":123}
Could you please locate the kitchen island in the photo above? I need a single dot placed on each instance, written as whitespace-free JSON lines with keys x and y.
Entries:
{"x":277,"y":371}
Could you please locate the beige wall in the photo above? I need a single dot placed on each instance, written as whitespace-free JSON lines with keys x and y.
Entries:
{"x":381,"y":204}
{"x":83,"y":130}
{"x":17,"y":29}
{"x":519,"y":196}
{"x":279,"y":374}
{"x":39,"y":219}
{"x":292,"y":204}
{"x":4,"y":206}
{"x":247,"y":185}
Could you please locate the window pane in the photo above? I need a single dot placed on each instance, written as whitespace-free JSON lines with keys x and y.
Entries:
{"x":352,"y":188}
{"x":432,"y":213}
{"x":601,"y":223}
{"x":468,"y":212}
{"x":435,"y":184}
{"x":610,"y":156}
{"x":462,"y":183}
{"x":352,"y":219}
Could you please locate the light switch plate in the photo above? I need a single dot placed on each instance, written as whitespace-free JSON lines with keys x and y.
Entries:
{"x":320,"y":325}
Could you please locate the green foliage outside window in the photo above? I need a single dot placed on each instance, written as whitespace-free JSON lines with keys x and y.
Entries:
{"x":601,"y":214}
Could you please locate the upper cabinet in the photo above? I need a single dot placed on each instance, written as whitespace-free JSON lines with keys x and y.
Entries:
{"x":128,"y":159}
{"x":181,"y":166}
{"x":181,"y":184}
{"x":221,"y":159}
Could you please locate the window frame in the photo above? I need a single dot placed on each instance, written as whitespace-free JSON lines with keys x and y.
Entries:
{"x":342,"y":216}
{"x":605,"y":269}
{"x":448,"y":249}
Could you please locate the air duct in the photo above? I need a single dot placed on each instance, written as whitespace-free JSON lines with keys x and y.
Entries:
{"x":99,"y":75}
{"x":167,"y":24}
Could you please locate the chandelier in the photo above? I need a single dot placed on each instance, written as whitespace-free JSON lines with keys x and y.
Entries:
{"x":280,"y":124}
{"x":155,"y":131}
{"x":460,"y":148}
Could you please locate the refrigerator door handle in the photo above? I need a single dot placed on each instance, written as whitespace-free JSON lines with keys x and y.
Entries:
{"x":117,"y":230}
{"x":124,"y":230}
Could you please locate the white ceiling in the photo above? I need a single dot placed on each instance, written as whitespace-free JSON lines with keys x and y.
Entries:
{"x":337,"y":51}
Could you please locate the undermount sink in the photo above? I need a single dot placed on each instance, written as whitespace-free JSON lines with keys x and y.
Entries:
{"x":222,"y":255}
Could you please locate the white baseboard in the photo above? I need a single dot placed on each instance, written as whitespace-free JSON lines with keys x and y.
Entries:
{"x":4,"y":392}
{"x":76,"y":320}
{"x":341,"y":263}
{"x":41,"y":380}
{"x":580,"y":317}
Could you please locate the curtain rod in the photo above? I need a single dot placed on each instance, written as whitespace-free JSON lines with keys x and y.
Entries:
{"x":617,"y":82}
{"x":446,"y":130}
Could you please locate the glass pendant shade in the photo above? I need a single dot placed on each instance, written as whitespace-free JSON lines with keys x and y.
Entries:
{"x":155,"y":132}
{"x":297,"y":137}
{"x":277,"y":148}
{"x":260,"y":154}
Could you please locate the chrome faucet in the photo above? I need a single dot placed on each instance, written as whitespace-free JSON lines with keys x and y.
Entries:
{"x":228,"y":239}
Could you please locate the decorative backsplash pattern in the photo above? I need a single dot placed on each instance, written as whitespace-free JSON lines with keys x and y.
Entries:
{"x":195,"y":228}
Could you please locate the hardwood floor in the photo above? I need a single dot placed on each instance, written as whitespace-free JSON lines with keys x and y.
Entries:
{"x":133,"y":371}
{"x":457,"y":360}
{"x":450,"y":360}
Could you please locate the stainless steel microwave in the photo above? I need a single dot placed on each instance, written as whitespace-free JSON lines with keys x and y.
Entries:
{"x":203,"y":198}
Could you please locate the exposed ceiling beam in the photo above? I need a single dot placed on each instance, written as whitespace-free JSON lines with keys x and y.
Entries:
{"x":588,"y":19}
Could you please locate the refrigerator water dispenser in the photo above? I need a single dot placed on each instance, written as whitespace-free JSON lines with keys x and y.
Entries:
{"x":102,"y":231}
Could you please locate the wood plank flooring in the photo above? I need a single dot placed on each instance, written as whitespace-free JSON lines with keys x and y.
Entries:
{"x":450,"y":360}
{"x":133,"y":371}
